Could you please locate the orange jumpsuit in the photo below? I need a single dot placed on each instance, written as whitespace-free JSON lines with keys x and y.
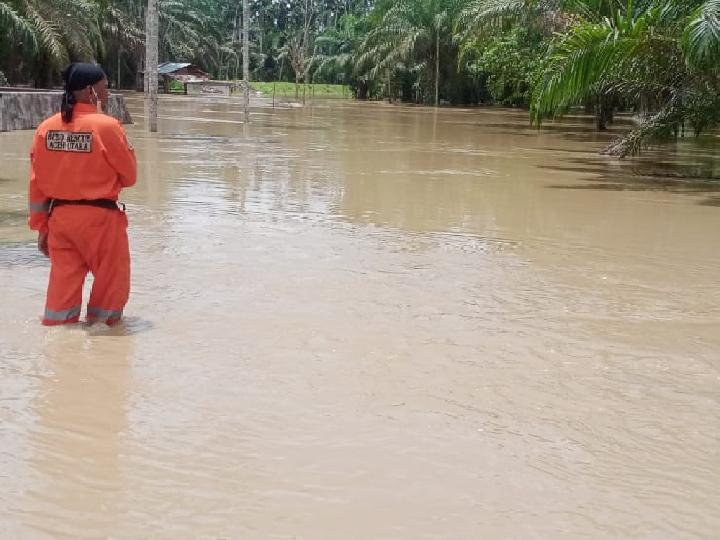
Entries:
{"x":88,"y":158}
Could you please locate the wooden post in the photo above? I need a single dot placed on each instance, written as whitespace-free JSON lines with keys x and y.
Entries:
{"x":437,"y":67}
{"x":273,"y":94}
{"x":146,"y":79}
{"x":151,"y":64}
{"x":246,"y":57}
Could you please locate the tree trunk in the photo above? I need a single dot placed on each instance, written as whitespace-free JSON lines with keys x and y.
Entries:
{"x":246,"y":57}
{"x":600,"y":120}
{"x":603,"y":114}
{"x":140,"y":78}
{"x":437,"y":68}
{"x":151,"y":63}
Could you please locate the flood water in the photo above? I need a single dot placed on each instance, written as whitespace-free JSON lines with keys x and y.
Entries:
{"x":365,"y":321}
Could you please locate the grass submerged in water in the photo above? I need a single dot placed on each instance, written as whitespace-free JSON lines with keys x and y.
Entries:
{"x":288,"y":89}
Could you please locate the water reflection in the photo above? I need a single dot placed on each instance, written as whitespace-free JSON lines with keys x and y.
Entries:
{"x":688,"y":174}
{"x":81,"y":412}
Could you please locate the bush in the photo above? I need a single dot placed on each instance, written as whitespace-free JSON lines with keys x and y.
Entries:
{"x":176,"y":86}
{"x":508,"y":63}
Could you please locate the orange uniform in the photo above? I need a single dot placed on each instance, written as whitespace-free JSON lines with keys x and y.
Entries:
{"x":74,"y":165}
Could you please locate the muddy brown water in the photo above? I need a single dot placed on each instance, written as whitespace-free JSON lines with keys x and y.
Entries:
{"x":363,"y":321}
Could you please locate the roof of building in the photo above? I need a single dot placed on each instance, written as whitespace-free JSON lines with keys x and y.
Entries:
{"x":171,"y":67}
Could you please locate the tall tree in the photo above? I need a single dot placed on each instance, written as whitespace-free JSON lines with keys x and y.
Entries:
{"x":299,"y":38}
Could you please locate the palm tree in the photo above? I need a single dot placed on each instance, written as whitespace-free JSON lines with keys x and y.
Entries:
{"x":412,"y":35}
{"x":294,"y":52}
{"x":197,"y":31}
{"x":124,"y":35}
{"x":661,"y":58}
{"x":42,"y":36}
{"x":483,"y":23}
{"x":38,"y":37}
{"x":335,"y":50}
{"x":298,"y":40}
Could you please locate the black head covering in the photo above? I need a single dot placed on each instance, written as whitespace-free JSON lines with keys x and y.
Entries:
{"x":76,"y":77}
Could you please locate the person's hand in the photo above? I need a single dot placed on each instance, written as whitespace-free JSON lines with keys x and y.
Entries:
{"x":43,"y":244}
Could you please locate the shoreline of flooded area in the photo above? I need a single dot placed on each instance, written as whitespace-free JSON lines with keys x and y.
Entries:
{"x":369,"y":321}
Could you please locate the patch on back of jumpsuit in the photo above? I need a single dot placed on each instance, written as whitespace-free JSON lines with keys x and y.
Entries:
{"x":69,"y":141}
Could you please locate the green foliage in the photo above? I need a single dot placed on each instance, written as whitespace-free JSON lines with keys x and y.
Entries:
{"x":175,"y":86}
{"x":334,"y":57}
{"x":412,"y":40}
{"x":38,"y":37}
{"x":701,"y":38}
{"x":660,"y":57}
{"x":508,"y":60}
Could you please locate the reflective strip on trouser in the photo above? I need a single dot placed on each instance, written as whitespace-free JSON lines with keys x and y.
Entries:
{"x":63,"y":316}
{"x":94,"y":313}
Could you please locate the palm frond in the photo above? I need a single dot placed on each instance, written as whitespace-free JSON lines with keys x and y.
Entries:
{"x":479,"y":13}
{"x":17,"y":25}
{"x":658,"y":126}
{"x":49,"y":36}
{"x":577,"y":64}
{"x":123,"y":28}
{"x":701,"y":38}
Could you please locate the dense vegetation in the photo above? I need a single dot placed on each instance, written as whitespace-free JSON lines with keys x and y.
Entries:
{"x":659,"y":59}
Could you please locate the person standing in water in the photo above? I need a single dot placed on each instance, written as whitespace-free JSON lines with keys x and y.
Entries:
{"x":80,"y":161}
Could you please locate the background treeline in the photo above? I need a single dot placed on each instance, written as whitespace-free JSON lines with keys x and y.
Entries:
{"x":657,"y":58}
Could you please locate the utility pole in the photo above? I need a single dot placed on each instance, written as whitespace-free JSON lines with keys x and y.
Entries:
{"x":246,"y":56}
{"x":151,"y":64}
